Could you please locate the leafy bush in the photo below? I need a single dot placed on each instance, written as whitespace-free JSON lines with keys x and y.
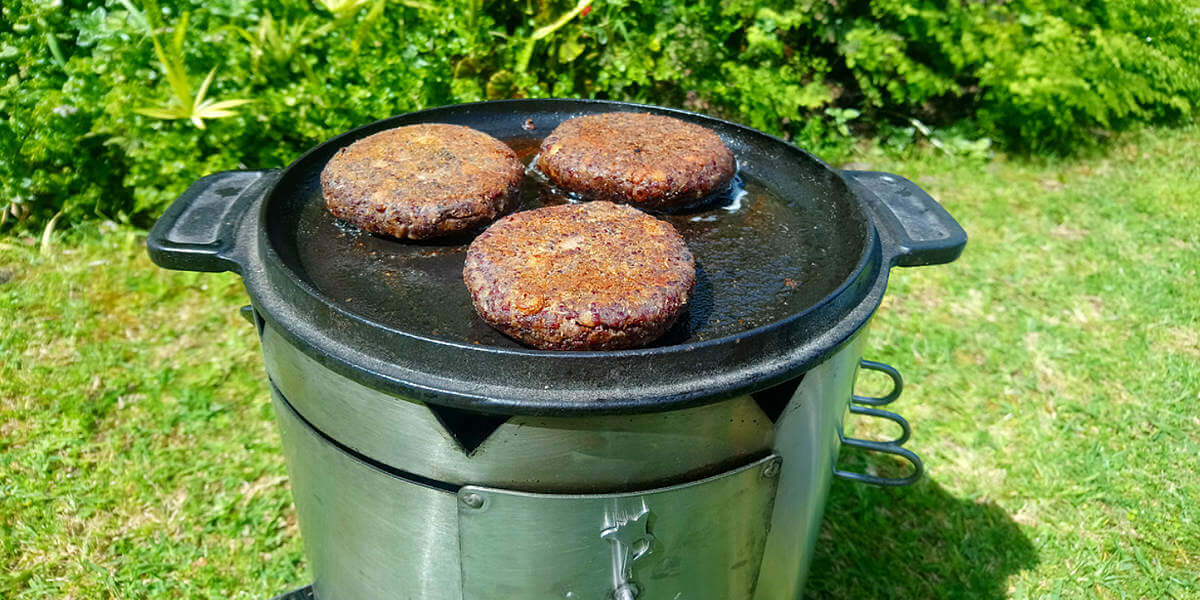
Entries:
{"x":110,"y":108}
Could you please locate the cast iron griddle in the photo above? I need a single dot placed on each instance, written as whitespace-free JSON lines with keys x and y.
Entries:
{"x":773,"y":245}
{"x":394,"y":316}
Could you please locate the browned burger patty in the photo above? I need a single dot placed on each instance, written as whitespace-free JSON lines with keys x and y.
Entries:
{"x":591,"y":276}
{"x":422,"y":181}
{"x":642,"y":159}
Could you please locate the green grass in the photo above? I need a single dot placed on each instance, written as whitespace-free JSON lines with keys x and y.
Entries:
{"x":138,"y":457}
{"x":1053,"y":383}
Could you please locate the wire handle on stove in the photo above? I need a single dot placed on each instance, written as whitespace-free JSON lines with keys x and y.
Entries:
{"x":890,"y":371}
{"x":895,"y":446}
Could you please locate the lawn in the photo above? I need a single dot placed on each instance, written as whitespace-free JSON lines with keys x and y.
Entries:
{"x":1053,"y":382}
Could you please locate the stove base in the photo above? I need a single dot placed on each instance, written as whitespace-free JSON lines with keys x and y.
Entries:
{"x":304,"y":593}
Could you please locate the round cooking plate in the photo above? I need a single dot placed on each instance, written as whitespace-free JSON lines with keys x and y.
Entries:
{"x":785,"y":280}
{"x":784,"y":239}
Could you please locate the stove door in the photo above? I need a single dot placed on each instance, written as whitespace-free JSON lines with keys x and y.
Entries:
{"x":696,"y":541}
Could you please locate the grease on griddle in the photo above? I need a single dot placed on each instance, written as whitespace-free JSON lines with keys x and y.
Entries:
{"x":744,"y":259}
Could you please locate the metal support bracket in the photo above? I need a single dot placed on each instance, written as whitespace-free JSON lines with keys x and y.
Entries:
{"x":893,"y":447}
{"x":886,"y":369}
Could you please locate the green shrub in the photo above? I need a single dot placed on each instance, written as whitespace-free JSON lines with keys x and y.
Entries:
{"x":85,"y":95}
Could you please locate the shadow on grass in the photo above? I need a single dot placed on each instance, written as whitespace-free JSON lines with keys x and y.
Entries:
{"x":915,"y":542}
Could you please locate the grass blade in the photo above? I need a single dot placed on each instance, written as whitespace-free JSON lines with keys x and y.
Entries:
{"x":48,"y":232}
{"x":158,"y":113}
{"x":176,"y":78}
{"x":225,"y":104}
{"x":199,"y":101}
{"x":542,"y":32}
{"x":180,"y":32}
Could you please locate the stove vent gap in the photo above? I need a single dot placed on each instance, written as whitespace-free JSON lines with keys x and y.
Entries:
{"x":469,"y":429}
{"x":774,"y":399}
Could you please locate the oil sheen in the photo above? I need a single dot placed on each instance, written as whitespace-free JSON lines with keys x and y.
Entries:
{"x":761,"y":256}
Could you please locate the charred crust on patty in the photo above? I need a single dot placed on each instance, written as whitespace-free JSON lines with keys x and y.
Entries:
{"x":646,"y":160}
{"x":422,"y":181}
{"x":591,"y":276}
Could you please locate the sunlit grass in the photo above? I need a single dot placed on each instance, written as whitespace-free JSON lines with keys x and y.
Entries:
{"x":1054,"y":374}
{"x":138,"y":458}
{"x":1053,"y":378}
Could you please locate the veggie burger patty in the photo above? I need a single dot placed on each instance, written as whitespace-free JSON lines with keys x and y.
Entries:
{"x":590,"y":276}
{"x":646,"y":160}
{"x":422,"y":181}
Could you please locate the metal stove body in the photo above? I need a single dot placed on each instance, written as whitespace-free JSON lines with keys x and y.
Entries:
{"x":719,"y":501}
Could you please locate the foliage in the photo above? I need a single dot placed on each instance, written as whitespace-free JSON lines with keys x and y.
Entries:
{"x":101,"y":116}
{"x":183,"y":105}
{"x":1051,"y":377}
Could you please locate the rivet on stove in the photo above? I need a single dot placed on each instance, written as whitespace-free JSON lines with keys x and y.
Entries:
{"x":472,"y":500}
{"x":770,"y":470}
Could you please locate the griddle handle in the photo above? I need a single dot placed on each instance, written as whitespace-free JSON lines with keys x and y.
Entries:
{"x":199,"y":231}
{"x":919,"y":230}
